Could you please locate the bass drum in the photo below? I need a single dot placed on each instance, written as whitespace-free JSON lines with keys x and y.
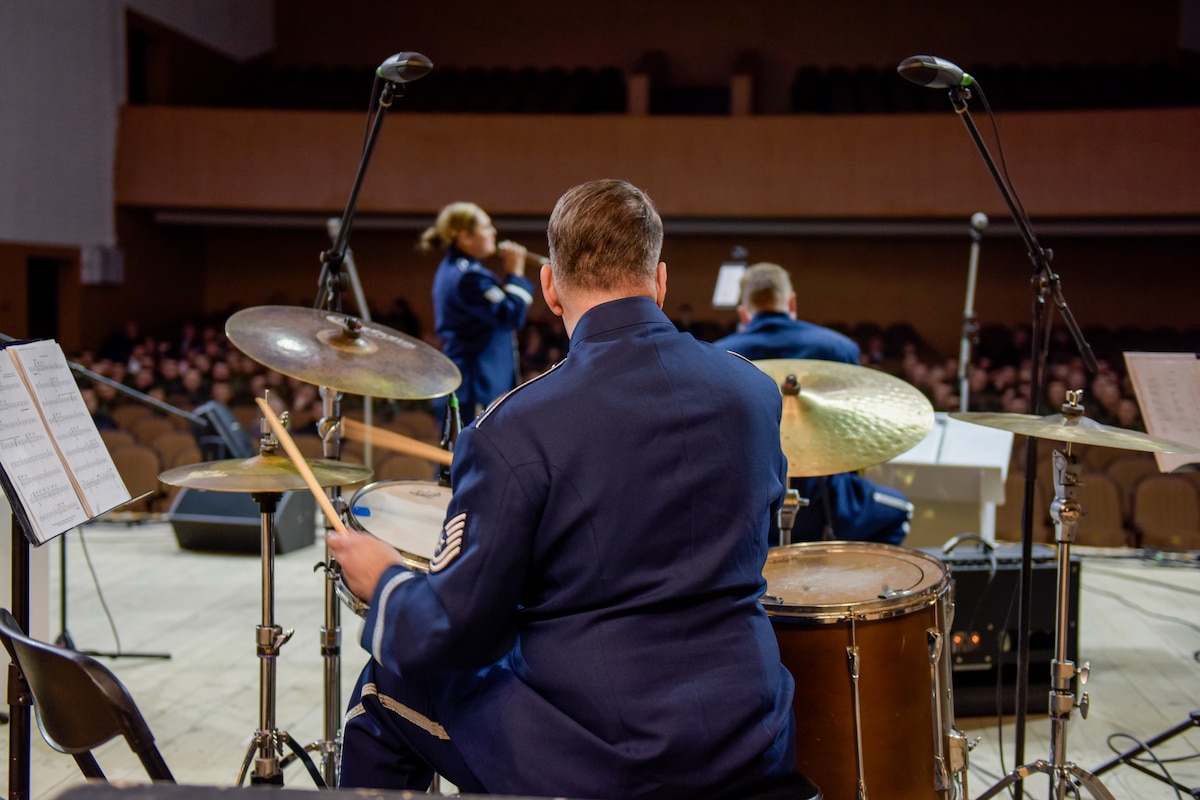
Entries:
{"x":863,"y":629}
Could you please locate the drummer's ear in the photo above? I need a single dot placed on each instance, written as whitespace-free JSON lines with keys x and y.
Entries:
{"x":549,"y":290}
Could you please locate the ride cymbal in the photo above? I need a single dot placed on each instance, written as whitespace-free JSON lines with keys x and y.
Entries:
{"x":1077,"y":429}
{"x":842,"y":417}
{"x":263,"y":473}
{"x":325,"y":348}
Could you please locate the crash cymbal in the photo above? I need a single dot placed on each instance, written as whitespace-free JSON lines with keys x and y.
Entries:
{"x":263,"y":473}
{"x":1075,"y":429}
{"x":340,"y":351}
{"x":844,"y":417}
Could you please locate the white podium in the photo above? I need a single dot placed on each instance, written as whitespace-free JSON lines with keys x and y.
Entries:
{"x":954,"y":478}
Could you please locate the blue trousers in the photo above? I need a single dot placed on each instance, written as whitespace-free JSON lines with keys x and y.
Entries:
{"x":392,"y":739}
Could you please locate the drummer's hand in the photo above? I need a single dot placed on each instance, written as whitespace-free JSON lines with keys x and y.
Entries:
{"x":363,"y":559}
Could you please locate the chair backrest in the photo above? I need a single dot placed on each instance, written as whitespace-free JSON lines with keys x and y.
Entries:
{"x":1127,"y":471}
{"x":402,"y":466}
{"x":128,"y":413}
{"x":1166,"y":512}
{"x":168,"y":444}
{"x":139,"y":468}
{"x":1008,"y":515}
{"x":145,"y":430}
{"x":1103,"y":523}
{"x":115,"y":438}
{"x":79,"y":703}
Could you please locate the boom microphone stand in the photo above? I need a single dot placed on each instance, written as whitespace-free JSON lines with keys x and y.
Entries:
{"x":941,"y":74}
{"x":394,"y":72}
{"x":970,"y":330}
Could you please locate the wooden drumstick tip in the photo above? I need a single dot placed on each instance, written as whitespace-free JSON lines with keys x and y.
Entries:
{"x":301,"y":464}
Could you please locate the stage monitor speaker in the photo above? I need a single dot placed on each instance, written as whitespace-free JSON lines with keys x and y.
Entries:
{"x":983,"y":636}
{"x":231,"y":522}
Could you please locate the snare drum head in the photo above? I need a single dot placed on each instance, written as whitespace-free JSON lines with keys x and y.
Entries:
{"x":408,"y":515}
{"x":828,"y":580}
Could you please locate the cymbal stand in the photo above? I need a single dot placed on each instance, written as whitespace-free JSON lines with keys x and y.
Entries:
{"x":792,"y":503}
{"x":393,"y":74}
{"x":331,"y":631}
{"x":269,"y":637}
{"x":1066,"y":511}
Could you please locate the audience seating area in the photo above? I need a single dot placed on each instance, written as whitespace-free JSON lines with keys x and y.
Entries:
{"x":1126,"y":501}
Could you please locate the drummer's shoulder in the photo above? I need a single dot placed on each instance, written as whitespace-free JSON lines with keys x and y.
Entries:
{"x":508,"y":397}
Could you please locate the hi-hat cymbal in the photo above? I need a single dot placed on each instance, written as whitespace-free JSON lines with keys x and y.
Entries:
{"x":325,"y":348}
{"x":1075,"y":429}
{"x":844,"y":417}
{"x":263,"y":473}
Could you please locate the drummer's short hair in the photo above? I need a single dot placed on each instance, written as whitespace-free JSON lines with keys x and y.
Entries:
{"x":605,"y":234}
{"x":766,"y":287}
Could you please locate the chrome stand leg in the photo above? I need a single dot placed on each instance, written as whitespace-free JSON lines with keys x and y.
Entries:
{"x":1065,"y":777}
{"x":265,"y":750}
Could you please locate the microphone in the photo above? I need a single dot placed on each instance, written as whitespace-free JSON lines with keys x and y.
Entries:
{"x":530,"y":258}
{"x":979,"y":220}
{"x":404,"y":67}
{"x":934,"y":72}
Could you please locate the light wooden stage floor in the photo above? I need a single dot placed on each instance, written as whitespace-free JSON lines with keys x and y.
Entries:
{"x":1139,"y":628}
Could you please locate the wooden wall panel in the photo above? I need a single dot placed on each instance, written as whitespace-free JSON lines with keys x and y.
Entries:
{"x":1081,"y":164}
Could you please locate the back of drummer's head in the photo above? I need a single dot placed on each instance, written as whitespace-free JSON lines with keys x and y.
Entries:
{"x":605,"y":235}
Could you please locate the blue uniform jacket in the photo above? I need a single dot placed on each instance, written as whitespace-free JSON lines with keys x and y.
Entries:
{"x":774,"y":334}
{"x":593,"y":612}
{"x":850,"y":505}
{"x":475,"y":316}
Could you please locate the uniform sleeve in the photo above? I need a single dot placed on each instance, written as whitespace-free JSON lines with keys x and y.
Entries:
{"x":462,"y":612}
{"x":504,"y":306}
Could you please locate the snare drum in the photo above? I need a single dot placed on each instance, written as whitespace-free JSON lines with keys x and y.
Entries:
{"x":863,"y":629}
{"x":408,"y":515}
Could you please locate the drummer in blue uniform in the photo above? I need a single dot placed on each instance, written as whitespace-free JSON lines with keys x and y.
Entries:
{"x":590,"y":625}
{"x":476,"y":312}
{"x":845,"y":506}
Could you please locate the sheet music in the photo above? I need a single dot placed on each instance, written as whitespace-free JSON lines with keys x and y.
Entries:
{"x":31,"y":462}
{"x":1167,"y":386}
{"x":71,"y":426}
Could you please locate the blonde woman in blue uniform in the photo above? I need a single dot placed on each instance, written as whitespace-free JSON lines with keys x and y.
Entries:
{"x":590,"y":625}
{"x":477,"y":312}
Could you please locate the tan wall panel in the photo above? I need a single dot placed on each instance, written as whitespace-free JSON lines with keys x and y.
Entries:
{"x":1114,"y":163}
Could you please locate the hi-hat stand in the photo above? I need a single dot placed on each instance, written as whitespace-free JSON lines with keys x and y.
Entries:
{"x":266,"y":745}
{"x":1066,"y":510}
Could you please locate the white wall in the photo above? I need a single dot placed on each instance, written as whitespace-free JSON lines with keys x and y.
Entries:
{"x":63,"y":68}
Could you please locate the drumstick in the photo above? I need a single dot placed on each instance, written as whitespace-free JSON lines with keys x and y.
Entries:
{"x":353,"y":429}
{"x":301,"y":463}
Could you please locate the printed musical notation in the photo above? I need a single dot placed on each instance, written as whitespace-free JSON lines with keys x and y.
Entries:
{"x":50,"y":450}
{"x":1167,"y":386}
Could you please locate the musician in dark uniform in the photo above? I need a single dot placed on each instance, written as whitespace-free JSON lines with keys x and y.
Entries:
{"x":476,"y":313}
{"x":590,"y":625}
{"x":845,"y":506}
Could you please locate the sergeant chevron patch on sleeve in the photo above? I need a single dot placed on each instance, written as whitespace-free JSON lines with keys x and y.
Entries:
{"x":451,"y":542}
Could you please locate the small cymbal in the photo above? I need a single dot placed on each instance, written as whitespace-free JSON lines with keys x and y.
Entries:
{"x":1075,"y":429}
{"x":263,"y":473}
{"x":325,"y":348}
{"x":845,"y":417}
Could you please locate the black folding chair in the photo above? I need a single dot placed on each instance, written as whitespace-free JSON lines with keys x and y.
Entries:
{"x":79,"y":703}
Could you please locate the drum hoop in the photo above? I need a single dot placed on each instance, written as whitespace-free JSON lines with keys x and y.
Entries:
{"x":410,"y":560}
{"x":833,"y":614}
{"x":898,"y":605}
